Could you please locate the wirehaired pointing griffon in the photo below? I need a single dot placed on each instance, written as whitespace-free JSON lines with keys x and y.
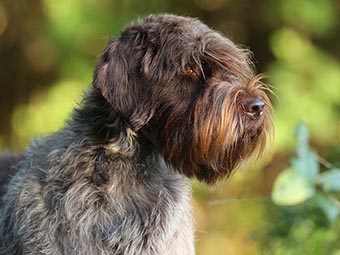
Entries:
{"x":171,"y":99}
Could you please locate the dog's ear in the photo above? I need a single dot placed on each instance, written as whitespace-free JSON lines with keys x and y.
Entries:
{"x":118,"y":77}
{"x":112,"y":79}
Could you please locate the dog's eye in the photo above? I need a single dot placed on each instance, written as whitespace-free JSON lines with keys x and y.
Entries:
{"x":193,"y":71}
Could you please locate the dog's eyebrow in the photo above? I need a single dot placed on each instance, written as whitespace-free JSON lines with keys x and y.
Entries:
{"x":198,"y":62}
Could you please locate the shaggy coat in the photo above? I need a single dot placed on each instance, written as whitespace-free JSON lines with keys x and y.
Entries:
{"x":171,"y":99}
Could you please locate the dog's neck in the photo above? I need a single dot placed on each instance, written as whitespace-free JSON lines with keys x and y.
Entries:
{"x":96,"y":120}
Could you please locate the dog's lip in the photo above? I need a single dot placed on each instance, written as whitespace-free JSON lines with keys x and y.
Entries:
{"x":254,"y":115}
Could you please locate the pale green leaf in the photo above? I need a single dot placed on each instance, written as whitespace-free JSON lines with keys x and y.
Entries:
{"x":330,"y":180}
{"x":307,"y":165}
{"x":329,"y":205}
{"x":291,"y":189}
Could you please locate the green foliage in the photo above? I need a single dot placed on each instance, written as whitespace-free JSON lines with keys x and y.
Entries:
{"x":330,"y":180}
{"x":304,"y":181}
{"x":306,"y":163}
{"x":46,"y":112}
{"x":307,"y":82}
{"x":1,"y":142}
{"x":303,"y":237}
{"x":301,"y":229}
{"x":317,"y":17}
{"x":290,"y":188}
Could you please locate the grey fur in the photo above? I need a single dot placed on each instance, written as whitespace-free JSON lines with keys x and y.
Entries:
{"x":53,"y":207}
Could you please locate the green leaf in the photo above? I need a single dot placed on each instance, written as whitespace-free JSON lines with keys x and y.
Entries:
{"x":302,"y":136}
{"x":329,"y":205}
{"x":330,"y":180}
{"x":291,"y":189}
{"x":307,"y":165}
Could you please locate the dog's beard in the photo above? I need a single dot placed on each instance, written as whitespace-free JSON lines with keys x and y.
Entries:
{"x":211,"y":137}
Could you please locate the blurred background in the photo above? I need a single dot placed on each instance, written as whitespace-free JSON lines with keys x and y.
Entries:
{"x":48,"y":50}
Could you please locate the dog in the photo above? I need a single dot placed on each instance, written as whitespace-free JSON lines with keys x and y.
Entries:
{"x":171,"y":100}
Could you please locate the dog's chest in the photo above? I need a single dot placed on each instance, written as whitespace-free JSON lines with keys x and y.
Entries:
{"x":142,"y":209}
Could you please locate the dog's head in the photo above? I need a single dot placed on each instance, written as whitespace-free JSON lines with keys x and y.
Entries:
{"x":189,"y":90}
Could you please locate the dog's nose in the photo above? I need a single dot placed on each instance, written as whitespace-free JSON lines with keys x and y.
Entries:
{"x":253,"y":107}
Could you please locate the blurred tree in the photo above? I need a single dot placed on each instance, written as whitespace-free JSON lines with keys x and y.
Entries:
{"x":21,"y":23}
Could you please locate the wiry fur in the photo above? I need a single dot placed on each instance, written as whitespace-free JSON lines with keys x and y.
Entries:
{"x":166,"y":105}
{"x":6,"y":162}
